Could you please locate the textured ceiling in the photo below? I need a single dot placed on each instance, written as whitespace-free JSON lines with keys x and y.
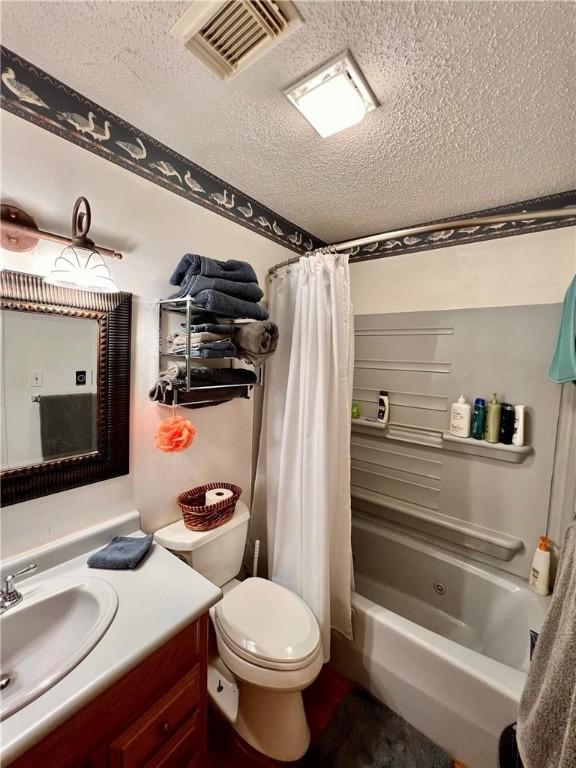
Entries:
{"x":478,"y":102}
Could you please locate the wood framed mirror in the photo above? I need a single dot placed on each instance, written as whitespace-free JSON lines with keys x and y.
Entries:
{"x":65,"y":387}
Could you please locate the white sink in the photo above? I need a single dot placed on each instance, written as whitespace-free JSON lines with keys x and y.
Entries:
{"x":56,"y":625}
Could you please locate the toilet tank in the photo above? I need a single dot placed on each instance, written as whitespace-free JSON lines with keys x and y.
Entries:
{"x":216,"y":554}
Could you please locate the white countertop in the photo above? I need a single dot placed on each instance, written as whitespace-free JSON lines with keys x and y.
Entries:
{"x":155,"y":602}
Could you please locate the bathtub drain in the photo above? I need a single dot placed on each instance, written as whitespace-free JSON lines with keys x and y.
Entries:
{"x":439,"y":588}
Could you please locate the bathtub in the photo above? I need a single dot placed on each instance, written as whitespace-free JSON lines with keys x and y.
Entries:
{"x":441,"y":640}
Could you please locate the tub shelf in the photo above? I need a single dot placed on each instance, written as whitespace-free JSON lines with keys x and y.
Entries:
{"x":513,"y":454}
{"x":430,"y":438}
{"x":476,"y":537}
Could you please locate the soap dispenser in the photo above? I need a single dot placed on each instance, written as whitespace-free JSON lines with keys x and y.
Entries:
{"x":460,"y":417}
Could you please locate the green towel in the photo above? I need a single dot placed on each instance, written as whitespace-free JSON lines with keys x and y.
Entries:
{"x":563,"y":365}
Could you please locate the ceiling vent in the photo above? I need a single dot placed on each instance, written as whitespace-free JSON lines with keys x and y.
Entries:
{"x":230,"y":35}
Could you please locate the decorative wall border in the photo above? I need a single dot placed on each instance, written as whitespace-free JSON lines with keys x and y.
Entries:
{"x":43,"y":100}
{"x":447,"y":237}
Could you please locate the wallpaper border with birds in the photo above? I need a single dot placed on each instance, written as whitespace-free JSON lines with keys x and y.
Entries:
{"x":41,"y":99}
{"x":447,"y":237}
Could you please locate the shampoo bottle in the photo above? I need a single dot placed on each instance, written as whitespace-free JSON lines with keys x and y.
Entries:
{"x":507,"y":418}
{"x":478,"y":418}
{"x":492,"y":428}
{"x":383,"y":408}
{"x":540,"y":572}
{"x":460,"y":417}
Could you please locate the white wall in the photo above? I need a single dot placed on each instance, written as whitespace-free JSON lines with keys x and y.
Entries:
{"x":153,"y":228}
{"x":527,"y":269}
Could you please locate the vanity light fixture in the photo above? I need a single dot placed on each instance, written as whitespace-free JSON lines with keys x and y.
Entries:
{"x":333,"y":97}
{"x":80,"y":265}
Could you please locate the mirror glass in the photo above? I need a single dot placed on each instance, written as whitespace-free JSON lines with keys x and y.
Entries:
{"x":48,"y":390}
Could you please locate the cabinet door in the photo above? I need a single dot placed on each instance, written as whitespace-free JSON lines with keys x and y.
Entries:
{"x":98,"y":759}
{"x":157,"y":725}
{"x":182,"y":749}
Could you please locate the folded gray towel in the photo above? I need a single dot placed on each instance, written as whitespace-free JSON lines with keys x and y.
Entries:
{"x":123,"y":553}
{"x":174,"y":377}
{"x":178,"y":339}
{"x":256,"y":341}
{"x":193,"y":284}
{"x":230,"y":306}
{"x":223,"y":328}
{"x":210,"y":376}
{"x":193,"y":264}
{"x":546,"y":728}
{"x":208,"y":349}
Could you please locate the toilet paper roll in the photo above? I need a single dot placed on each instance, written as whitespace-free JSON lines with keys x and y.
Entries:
{"x":217,"y":494}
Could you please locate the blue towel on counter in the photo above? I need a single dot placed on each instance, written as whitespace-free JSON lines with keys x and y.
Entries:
{"x":230,"y":306}
{"x":223,"y":348}
{"x":193,"y":284}
{"x":192,"y":264}
{"x":123,"y":553}
{"x":563,"y":365}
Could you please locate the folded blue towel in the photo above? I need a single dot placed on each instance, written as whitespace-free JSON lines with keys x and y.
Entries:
{"x":224,"y":348}
{"x":211,"y":327}
{"x":230,"y":306}
{"x":123,"y":553}
{"x":563,"y":365}
{"x":240,"y":271}
{"x":193,"y":284}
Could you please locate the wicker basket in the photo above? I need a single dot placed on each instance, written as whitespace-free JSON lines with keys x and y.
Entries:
{"x":199,"y":517}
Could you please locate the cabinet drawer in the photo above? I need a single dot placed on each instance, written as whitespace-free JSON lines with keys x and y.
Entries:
{"x":182,"y":749}
{"x":158,"y":724}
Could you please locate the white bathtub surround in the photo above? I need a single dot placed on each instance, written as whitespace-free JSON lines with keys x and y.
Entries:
{"x":442,"y":641}
{"x":547,"y":717}
{"x":303,"y":476}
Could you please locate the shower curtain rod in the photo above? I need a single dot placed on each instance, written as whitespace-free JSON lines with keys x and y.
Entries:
{"x":556,"y":213}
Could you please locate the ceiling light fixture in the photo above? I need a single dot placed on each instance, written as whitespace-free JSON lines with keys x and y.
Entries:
{"x":333,"y":97}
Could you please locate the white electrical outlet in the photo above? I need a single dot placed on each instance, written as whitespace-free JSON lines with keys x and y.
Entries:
{"x":36,"y":378}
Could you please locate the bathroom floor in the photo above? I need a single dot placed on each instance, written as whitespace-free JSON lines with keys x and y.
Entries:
{"x":322,"y":701}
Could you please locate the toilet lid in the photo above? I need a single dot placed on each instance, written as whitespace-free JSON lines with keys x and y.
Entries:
{"x":268,"y":622}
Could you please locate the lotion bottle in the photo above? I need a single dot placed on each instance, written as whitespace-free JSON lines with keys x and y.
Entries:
{"x":460,"y":417}
{"x":540,"y":572}
{"x":518,"y":436}
{"x":492,"y":430}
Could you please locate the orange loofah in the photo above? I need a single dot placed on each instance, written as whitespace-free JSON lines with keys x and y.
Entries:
{"x":174,"y":434}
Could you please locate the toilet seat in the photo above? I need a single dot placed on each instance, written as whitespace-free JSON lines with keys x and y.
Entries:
{"x":268,"y":626}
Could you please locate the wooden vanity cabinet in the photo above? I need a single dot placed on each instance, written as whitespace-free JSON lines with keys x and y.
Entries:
{"x":153,"y":717}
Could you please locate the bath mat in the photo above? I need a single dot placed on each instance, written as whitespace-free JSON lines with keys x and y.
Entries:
{"x":364,"y":733}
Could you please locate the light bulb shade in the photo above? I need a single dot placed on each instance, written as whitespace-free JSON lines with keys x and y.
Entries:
{"x":333,"y":97}
{"x":82,"y":268}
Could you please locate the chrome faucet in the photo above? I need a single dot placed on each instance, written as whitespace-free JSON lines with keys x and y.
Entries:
{"x":9,"y":596}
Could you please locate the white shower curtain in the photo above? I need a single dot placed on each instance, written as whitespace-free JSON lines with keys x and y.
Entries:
{"x":303,"y":474}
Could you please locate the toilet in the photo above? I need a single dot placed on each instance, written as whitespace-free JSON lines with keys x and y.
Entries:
{"x":268,"y":640}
